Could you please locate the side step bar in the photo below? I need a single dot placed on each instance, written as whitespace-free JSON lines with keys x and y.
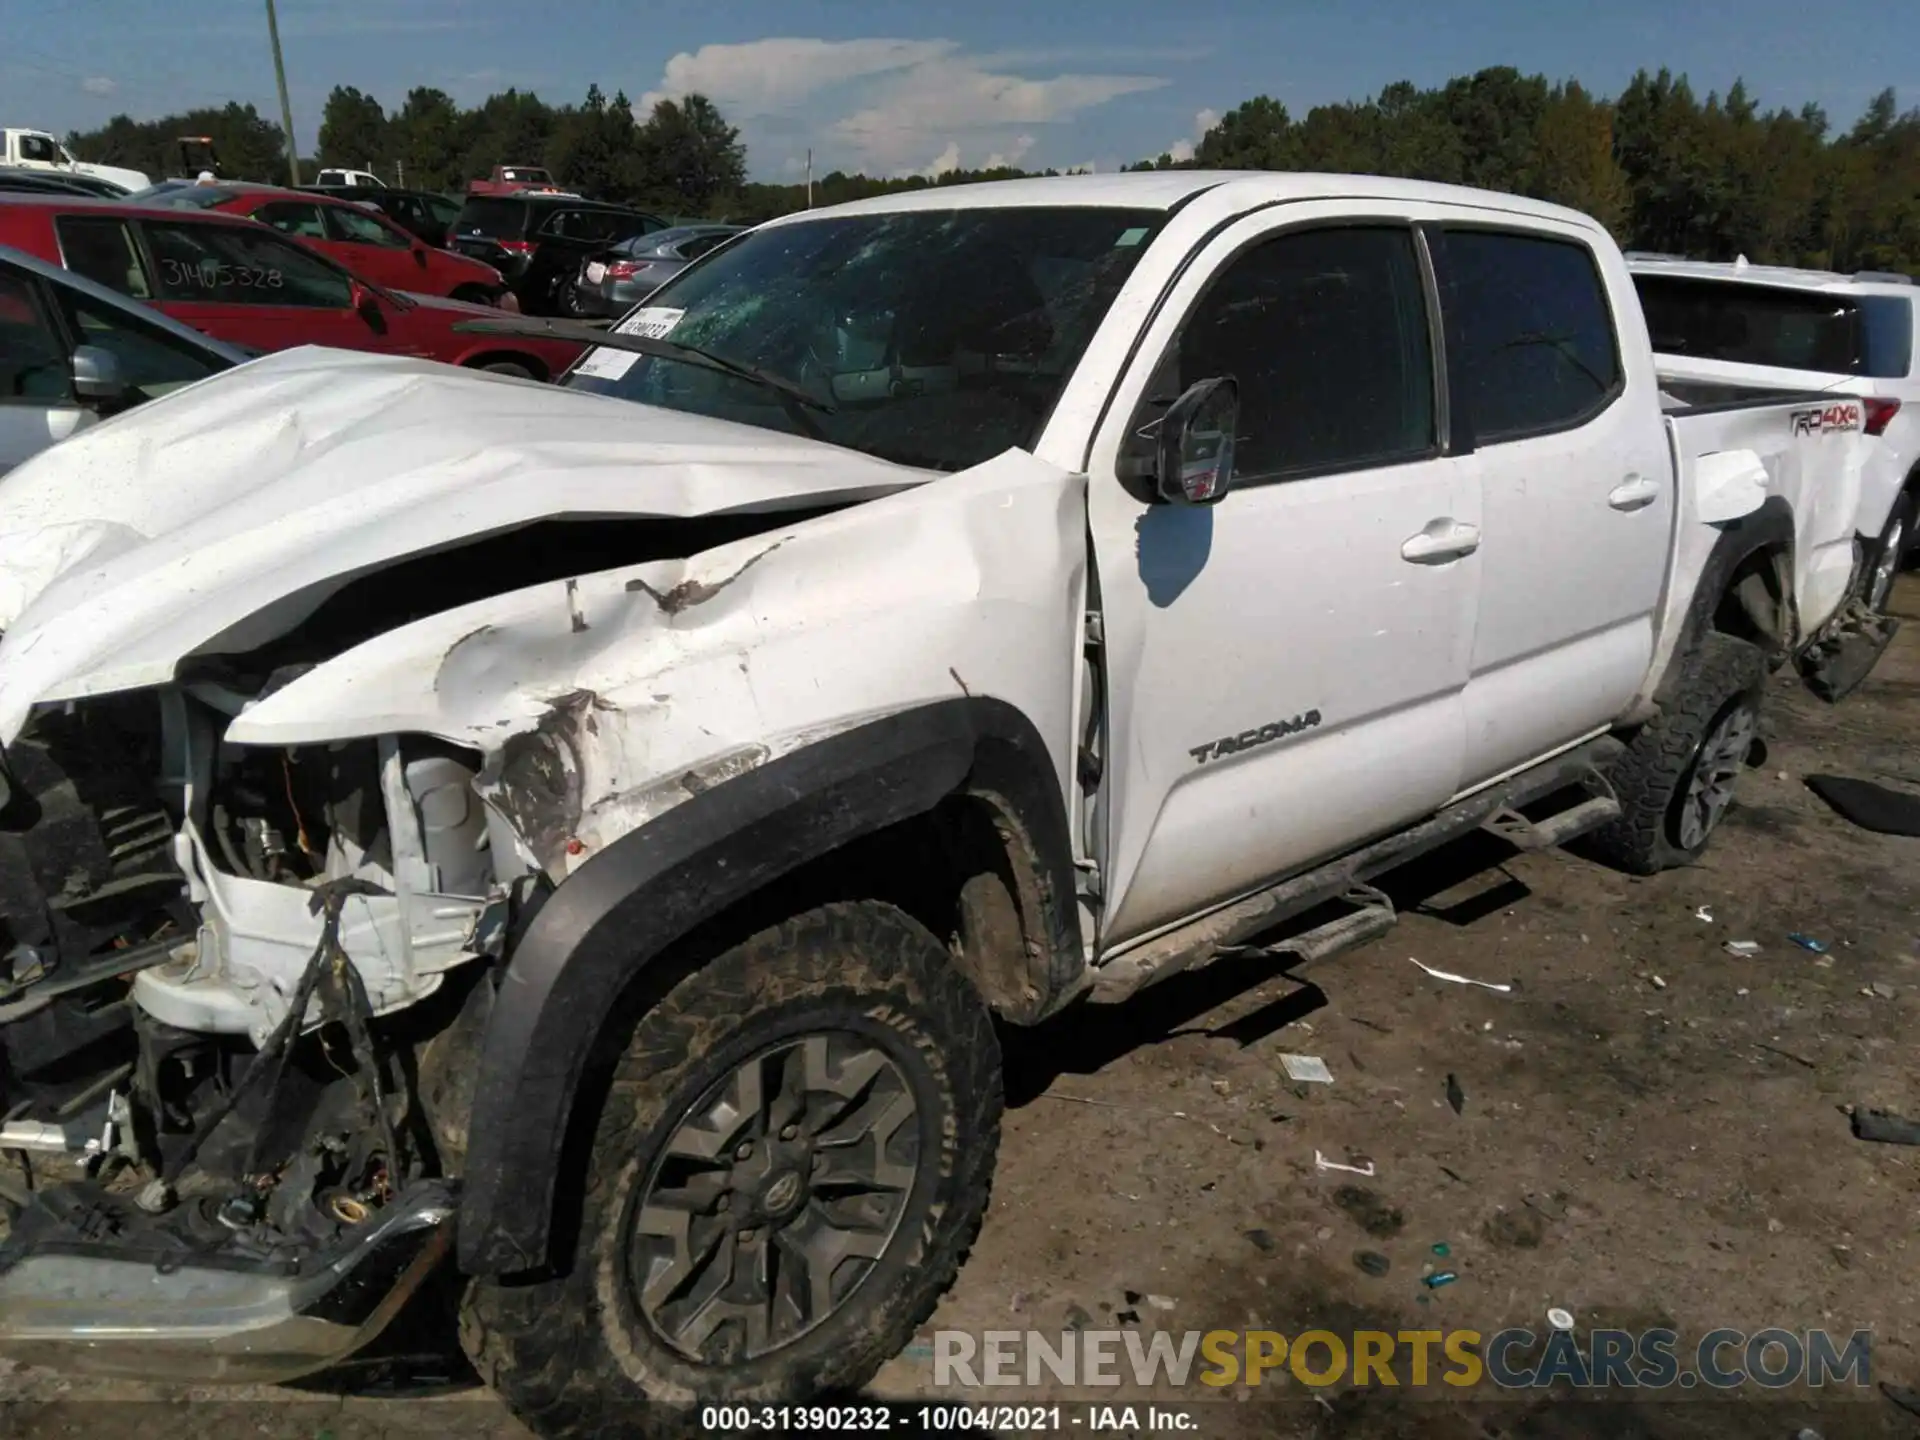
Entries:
{"x":1497,"y":808}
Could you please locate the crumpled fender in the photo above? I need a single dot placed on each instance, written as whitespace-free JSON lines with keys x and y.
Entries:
{"x":600,"y":702}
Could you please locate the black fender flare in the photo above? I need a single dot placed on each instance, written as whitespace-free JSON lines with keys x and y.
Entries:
{"x":617,"y":913}
{"x":1769,"y":526}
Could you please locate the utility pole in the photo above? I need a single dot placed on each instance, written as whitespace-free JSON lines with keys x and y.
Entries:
{"x":286,"y":110}
{"x":809,"y":178}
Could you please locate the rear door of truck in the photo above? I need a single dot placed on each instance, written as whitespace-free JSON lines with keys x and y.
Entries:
{"x":1551,"y":384}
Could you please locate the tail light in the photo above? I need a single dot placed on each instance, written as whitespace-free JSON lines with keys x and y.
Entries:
{"x":625,"y":269}
{"x":1877,"y":414}
{"x":516,"y":247}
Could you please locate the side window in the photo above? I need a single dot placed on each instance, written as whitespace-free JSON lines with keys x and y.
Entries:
{"x":229,"y":265}
{"x":152,"y":362}
{"x":33,"y":359}
{"x":1530,"y":317}
{"x":1327,"y":333}
{"x":562,"y":225}
{"x":293,"y":217}
{"x":444,"y":211}
{"x":104,"y":252}
{"x":360,"y":228}
{"x":699,"y":245}
{"x":38,"y":149}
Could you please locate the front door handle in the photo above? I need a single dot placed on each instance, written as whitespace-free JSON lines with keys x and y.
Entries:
{"x":1634,"y":493}
{"x":1443,"y":540}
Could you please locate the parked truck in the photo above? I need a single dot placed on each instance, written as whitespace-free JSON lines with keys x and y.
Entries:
{"x":515,"y":180}
{"x":38,"y":150}
{"x":583,"y":836}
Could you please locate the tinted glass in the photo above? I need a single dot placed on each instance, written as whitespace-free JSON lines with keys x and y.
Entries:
{"x":293,"y":217}
{"x":232,"y":265}
{"x":498,"y":219}
{"x":444,"y":211}
{"x":1745,"y":324}
{"x":151,"y":361}
{"x":928,"y":331}
{"x":104,"y":252}
{"x":37,"y":148}
{"x":1886,"y":336}
{"x":1327,"y":333}
{"x":1535,"y":333}
{"x":33,"y":362}
{"x":694,"y":248}
{"x":358,"y":227}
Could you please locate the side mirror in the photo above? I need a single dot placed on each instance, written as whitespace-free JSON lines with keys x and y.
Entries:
{"x":1195,"y":444}
{"x":96,"y":375}
{"x":368,"y":305}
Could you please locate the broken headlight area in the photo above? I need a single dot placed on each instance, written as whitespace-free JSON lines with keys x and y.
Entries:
{"x":240,"y":1002}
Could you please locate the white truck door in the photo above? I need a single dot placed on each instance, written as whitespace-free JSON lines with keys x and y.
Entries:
{"x":1555,"y":385}
{"x":1284,"y":668}
{"x":37,"y":406}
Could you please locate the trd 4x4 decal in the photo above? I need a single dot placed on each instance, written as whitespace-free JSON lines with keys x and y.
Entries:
{"x":1844,"y":416}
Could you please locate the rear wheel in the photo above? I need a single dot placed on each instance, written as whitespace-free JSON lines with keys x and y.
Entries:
{"x":1888,"y":557}
{"x":1676,"y":780}
{"x":508,"y":367}
{"x":790,"y":1166}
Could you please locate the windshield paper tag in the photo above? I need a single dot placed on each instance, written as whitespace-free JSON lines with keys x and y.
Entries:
{"x":655,"y":322}
{"x":604,"y":364}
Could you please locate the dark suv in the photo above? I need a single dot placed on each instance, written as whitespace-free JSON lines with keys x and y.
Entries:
{"x":538,"y":241}
{"x":419,"y":212}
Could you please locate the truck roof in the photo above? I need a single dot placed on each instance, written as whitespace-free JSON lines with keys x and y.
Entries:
{"x":1166,"y":189}
{"x":1866,"y":282}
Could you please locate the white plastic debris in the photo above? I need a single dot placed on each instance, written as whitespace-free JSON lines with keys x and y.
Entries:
{"x":1308,"y":1069}
{"x":1449,"y":976}
{"x":1560,"y":1319}
{"x":1743,"y":947}
{"x":1320,"y":1162}
{"x":1705,"y":912}
{"x":1657,"y":982}
{"x":1160,"y":1302}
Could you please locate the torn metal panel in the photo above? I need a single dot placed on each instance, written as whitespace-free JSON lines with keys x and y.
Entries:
{"x":600,"y":702}
{"x":220,"y":525}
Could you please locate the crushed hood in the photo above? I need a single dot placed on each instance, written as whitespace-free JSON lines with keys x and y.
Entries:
{"x":227,"y":513}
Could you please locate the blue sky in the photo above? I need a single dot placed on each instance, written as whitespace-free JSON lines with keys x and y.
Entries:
{"x":892,"y":87}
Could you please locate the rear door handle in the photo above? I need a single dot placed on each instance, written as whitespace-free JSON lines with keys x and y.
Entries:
{"x":1443,"y":540}
{"x":1634,"y":493}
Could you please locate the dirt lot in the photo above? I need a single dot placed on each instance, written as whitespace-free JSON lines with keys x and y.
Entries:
{"x":1638,"y":1150}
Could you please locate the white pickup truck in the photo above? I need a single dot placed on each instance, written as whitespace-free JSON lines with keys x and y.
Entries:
{"x":587,"y":831}
{"x":38,"y":150}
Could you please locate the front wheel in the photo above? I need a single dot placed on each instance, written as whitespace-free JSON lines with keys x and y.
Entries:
{"x":791,"y":1163}
{"x":1676,"y":780}
{"x":473,"y":294}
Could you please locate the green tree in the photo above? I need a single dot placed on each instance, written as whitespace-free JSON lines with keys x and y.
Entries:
{"x":353,"y":131}
{"x":427,"y":138}
{"x":688,"y":156}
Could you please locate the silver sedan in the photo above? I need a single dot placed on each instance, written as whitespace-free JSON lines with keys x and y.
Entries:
{"x":613,"y":281}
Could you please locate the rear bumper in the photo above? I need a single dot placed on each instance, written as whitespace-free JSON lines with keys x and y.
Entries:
{"x":96,"y":1313}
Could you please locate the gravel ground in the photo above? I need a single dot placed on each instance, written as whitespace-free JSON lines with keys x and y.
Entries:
{"x":1651,"y":1132}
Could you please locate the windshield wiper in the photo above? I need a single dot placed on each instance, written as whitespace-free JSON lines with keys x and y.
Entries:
{"x":648,"y":345}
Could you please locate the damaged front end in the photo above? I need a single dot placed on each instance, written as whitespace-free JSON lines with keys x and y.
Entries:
{"x":234,"y":1016}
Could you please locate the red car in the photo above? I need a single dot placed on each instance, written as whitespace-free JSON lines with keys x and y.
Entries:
{"x":364,"y":241}
{"x":240,"y":282}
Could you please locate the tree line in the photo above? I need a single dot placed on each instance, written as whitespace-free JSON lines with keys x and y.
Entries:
{"x":1664,"y":169}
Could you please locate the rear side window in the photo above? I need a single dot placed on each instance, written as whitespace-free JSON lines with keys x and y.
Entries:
{"x":496,"y":219}
{"x":1326,"y":332}
{"x":232,"y":265}
{"x":151,"y":361}
{"x":358,"y":227}
{"x":33,"y":360}
{"x":104,"y":252}
{"x":293,"y":217}
{"x":1529,"y":317}
{"x":1786,"y":329}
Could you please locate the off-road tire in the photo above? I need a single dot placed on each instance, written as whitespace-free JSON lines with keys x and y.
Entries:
{"x":573,"y":1356}
{"x":1651,"y":779}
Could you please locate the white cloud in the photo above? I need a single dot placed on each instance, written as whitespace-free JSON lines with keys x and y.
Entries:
{"x":99,"y":85}
{"x":1203,"y":121}
{"x":947,"y":161}
{"x":763,"y":77}
{"x":884,"y":104}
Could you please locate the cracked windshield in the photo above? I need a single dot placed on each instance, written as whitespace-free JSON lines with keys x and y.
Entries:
{"x":932,"y":338}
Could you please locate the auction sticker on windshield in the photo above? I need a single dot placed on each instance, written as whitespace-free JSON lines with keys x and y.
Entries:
{"x":600,"y":363}
{"x":655,"y":322}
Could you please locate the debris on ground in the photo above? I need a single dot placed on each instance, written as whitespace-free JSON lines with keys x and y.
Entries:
{"x":1560,"y":1319}
{"x":1870,"y":806}
{"x":1441,"y":1248}
{"x":1885,"y":1127}
{"x":1879,"y":990}
{"x":1907,"y":1399}
{"x":1078,"y":1318}
{"x":1704,"y":914}
{"x":1743,"y":948}
{"x":1439,"y":1278}
{"x":1320,"y":1162}
{"x":1451,"y":978}
{"x":1656,"y":982}
{"x":1807,"y":942}
{"x":1372,"y":1262}
{"x":1367,"y":1210}
{"x":1161,"y":1302}
{"x":1263,"y":1241}
{"x":1306,"y":1069}
{"x":1456,"y":1097}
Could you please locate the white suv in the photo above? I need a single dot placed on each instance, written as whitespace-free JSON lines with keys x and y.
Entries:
{"x":1759,"y":326}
